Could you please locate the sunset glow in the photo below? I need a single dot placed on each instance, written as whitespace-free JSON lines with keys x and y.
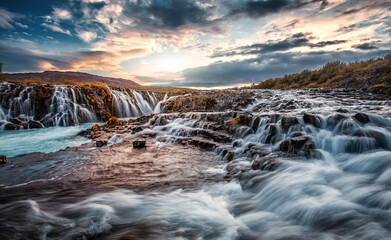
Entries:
{"x":190,"y":43}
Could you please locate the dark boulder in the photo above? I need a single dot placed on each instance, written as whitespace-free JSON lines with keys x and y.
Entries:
{"x":34,"y":124}
{"x":298,"y":142}
{"x":265,"y":163}
{"x":361,"y":117}
{"x":255,"y":124}
{"x":286,"y":146}
{"x":139,"y":144}
{"x":101,"y":143}
{"x":313,"y":120}
{"x":11,"y":126}
{"x":3,"y":159}
{"x":287,"y":122}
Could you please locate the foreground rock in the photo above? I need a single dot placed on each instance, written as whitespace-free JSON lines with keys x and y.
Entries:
{"x":3,"y":159}
{"x":139,"y":144}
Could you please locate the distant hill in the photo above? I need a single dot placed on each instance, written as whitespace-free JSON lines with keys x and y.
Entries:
{"x":373,"y":73}
{"x":56,"y":76}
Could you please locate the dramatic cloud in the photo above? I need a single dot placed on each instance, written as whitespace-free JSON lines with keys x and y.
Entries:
{"x":192,"y":42}
{"x":7,"y":19}
{"x":56,"y":28}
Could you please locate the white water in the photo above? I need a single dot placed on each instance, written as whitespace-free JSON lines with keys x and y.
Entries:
{"x":127,"y":106}
{"x":15,"y":142}
{"x":344,"y":194}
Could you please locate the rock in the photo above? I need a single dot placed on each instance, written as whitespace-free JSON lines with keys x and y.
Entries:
{"x":101,"y":143}
{"x":298,"y":142}
{"x":15,"y":121}
{"x":3,"y":159}
{"x":311,"y":119}
{"x":11,"y":126}
{"x":361,"y":117}
{"x":34,"y":124}
{"x":286,"y":146}
{"x":287,"y":122}
{"x":95,"y":127}
{"x":341,"y":110}
{"x":265,"y":163}
{"x":139,"y":144}
{"x":229,"y":156}
{"x":255,"y":124}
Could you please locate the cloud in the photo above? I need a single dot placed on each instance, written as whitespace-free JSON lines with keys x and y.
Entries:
{"x":86,"y":36}
{"x":264,"y":67}
{"x":295,"y":41}
{"x":365,"y":46}
{"x":62,"y":13}
{"x":56,"y":28}
{"x":7,"y":18}
{"x":257,"y":9}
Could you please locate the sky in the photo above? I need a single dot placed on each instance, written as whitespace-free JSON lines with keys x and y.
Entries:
{"x":190,"y":43}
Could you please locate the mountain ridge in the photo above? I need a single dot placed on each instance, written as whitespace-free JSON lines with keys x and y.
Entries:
{"x":58,"y":76}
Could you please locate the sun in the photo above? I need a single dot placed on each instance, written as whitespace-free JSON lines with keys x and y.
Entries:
{"x":170,"y":64}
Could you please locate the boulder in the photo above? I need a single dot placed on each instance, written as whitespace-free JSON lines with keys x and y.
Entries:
{"x":265,"y":163}
{"x":361,"y":117}
{"x":3,"y":159}
{"x":11,"y":126}
{"x":311,"y":119}
{"x":286,"y":146}
{"x":139,"y":144}
{"x":101,"y":143}
{"x":34,"y":124}
{"x":298,"y":142}
{"x":287,"y":122}
{"x":95,"y":127}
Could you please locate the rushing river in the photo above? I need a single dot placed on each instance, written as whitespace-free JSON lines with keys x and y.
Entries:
{"x":341,"y":192}
{"x":51,"y":139}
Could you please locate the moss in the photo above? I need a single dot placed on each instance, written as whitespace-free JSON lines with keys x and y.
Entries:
{"x":95,"y":127}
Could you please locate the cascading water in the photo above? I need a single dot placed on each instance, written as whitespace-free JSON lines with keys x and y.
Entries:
{"x":127,"y":106}
{"x":330,"y":179}
{"x":64,"y":109}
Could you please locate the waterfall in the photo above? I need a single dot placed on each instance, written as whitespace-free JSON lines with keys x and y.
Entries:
{"x":158,"y":105}
{"x":65,"y":110}
{"x":134,"y":105}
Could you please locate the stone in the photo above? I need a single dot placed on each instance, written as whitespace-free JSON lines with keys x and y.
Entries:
{"x":95,"y":127}
{"x":3,"y":159}
{"x":286,"y":145}
{"x":101,"y":143}
{"x":311,"y":119}
{"x":298,"y":142}
{"x":139,"y":144}
{"x":361,"y":117}
{"x":11,"y":126}
{"x":287,"y":122}
{"x":34,"y":124}
{"x":265,"y":163}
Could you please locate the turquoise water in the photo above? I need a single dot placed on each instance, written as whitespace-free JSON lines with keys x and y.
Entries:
{"x":15,"y":142}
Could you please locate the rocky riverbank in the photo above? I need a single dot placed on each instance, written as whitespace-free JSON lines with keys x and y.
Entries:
{"x":216,"y":164}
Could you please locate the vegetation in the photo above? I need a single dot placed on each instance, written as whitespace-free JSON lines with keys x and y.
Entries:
{"x":373,"y":73}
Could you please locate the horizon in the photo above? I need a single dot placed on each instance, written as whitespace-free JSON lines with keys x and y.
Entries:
{"x":193,"y":44}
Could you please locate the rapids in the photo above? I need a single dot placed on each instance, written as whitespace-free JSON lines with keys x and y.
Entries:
{"x":342,"y":190}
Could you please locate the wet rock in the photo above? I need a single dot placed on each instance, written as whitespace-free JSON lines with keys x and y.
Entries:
{"x":287,"y":122}
{"x":3,"y":159}
{"x":95,"y":127}
{"x":341,"y":110}
{"x":311,"y":119}
{"x":15,"y":121}
{"x":12,"y":126}
{"x":204,"y":144}
{"x":298,"y":142}
{"x":34,"y":124}
{"x":265,"y":163}
{"x":361,"y":117}
{"x":286,"y":146}
{"x":255,"y":124}
{"x":256,"y":150}
{"x":139,"y":144}
{"x":100,"y":143}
